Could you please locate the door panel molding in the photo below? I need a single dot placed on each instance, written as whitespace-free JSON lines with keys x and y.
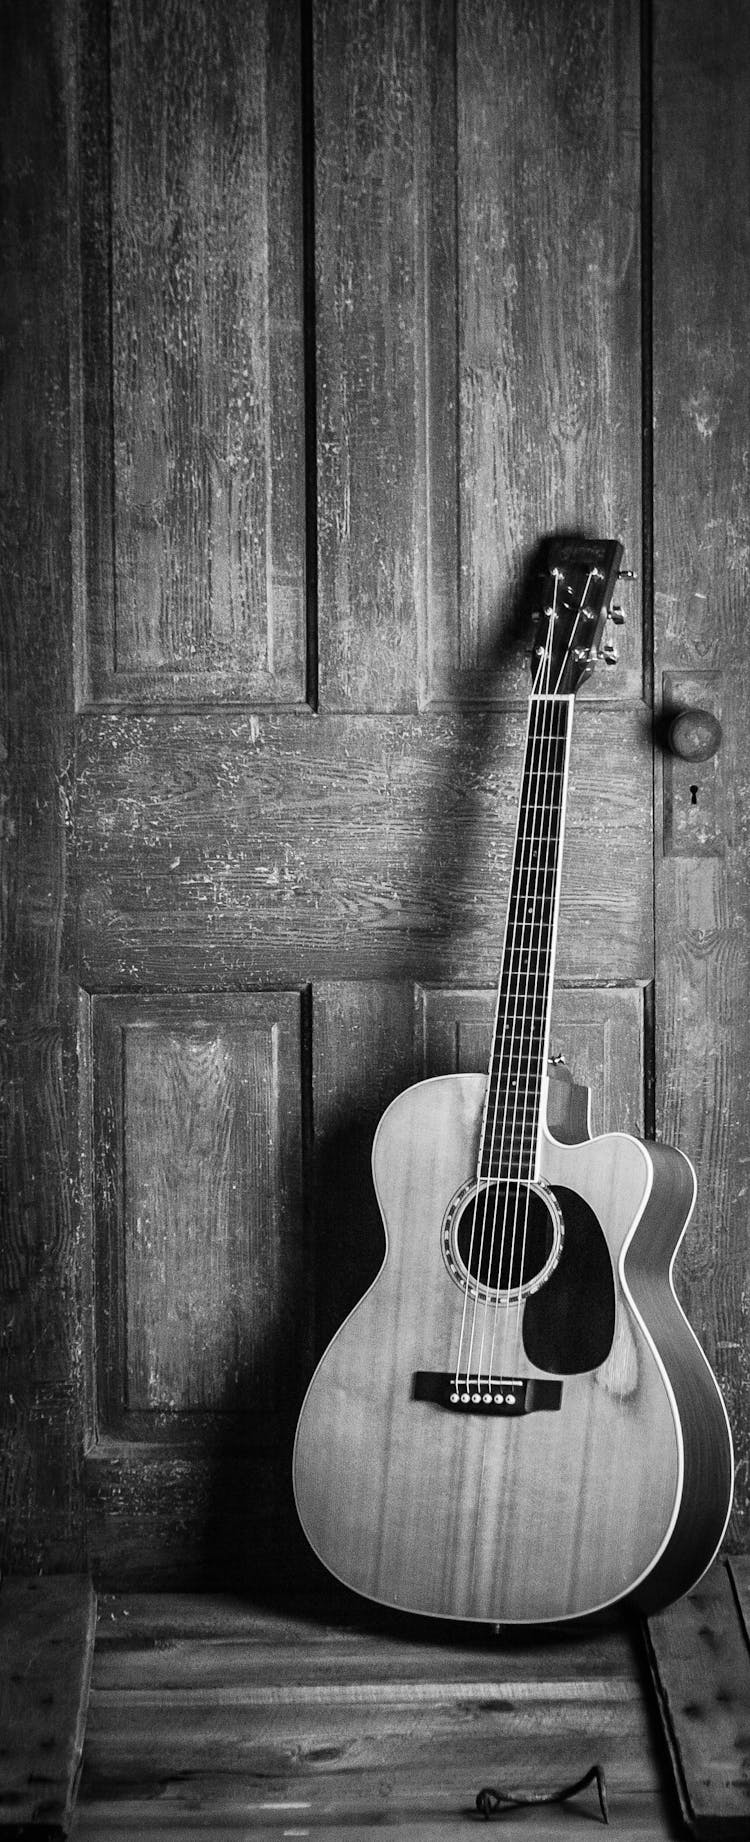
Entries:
{"x":196,"y":1213}
{"x":191,"y":457}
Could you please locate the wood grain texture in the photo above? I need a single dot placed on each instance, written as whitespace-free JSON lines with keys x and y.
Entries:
{"x":700,"y":286}
{"x":176,"y":1640}
{"x":232,"y":849}
{"x":543,"y":1517}
{"x":203,"y":592}
{"x":41,"y":1413}
{"x":695,"y":796}
{"x":364,"y":1052}
{"x":198,"y":1244}
{"x":648,"y":1818}
{"x":197,"y":1204}
{"x":47,"y":1629}
{"x":699,"y":1661}
{"x":738,"y":1568}
{"x":373,"y":176}
{"x":207,"y":1716}
{"x":548,"y":277}
{"x":476,"y":364}
{"x":206,"y":1504}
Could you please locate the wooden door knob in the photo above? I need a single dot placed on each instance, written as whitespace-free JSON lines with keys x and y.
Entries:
{"x":694,"y":735}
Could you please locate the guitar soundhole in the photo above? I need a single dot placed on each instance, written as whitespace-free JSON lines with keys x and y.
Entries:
{"x":502,"y":1239}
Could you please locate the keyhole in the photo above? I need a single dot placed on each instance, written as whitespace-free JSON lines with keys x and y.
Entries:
{"x":694,"y":795}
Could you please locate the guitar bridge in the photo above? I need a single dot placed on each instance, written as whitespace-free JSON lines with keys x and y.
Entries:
{"x":487,"y":1394}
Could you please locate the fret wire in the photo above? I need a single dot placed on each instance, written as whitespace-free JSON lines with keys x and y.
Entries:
{"x":516,"y":1064}
{"x":523,"y":903}
{"x":512,"y":1064}
{"x":536,"y":929}
{"x":528,"y":942}
{"x":502,"y":1047}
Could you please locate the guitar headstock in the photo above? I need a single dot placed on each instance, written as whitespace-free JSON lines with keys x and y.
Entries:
{"x":571,"y":606}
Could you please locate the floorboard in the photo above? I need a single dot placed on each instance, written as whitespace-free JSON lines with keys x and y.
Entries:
{"x":208,"y":1718}
{"x":46,"y":1649}
{"x":700,"y":1661}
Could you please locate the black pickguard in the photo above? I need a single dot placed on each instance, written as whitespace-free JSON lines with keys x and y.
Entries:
{"x":569,"y":1324}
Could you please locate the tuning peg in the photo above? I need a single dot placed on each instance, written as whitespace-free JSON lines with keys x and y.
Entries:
{"x":608,"y":652}
{"x":626,"y":575}
{"x":617,"y":614}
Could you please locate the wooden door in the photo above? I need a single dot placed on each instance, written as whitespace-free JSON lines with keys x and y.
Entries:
{"x":362,"y":302}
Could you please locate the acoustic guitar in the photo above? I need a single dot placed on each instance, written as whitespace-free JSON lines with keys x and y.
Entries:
{"x":516,"y":1423}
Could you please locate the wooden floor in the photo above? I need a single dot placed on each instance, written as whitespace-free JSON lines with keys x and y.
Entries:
{"x":208,"y":1718}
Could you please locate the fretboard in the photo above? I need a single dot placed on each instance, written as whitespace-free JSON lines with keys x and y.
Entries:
{"x":521,"y":1036}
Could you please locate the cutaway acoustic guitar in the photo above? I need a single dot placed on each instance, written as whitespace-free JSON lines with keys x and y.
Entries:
{"x":517,"y":1424}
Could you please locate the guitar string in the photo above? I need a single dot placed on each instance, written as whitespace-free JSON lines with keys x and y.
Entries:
{"x":551,"y":738}
{"x":533,"y":1089}
{"x":513,"y":1151}
{"x":530,"y":1045}
{"x":516,"y":1036}
{"x":499,"y":1037}
{"x":546,"y":956}
{"x":538,"y":983}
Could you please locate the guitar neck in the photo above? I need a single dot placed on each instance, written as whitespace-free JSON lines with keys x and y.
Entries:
{"x":520,"y":1043}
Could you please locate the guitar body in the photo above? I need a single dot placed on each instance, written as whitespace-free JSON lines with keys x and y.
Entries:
{"x":617,"y":1485}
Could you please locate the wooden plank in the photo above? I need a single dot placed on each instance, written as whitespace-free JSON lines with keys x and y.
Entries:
{"x":181,"y":1641}
{"x":701,"y":278}
{"x":232,"y":848}
{"x":369,"y":1818}
{"x":192,"y":215}
{"x":342,"y":1626}
{"x":41,"y":1409}
{"x":738,"y":1568}
{"x":700,"y":1664}
{"x":198,"y":1507}
{"x":363,"y":1055}
{"x":380,"y":172}
{"x":548,"y":290}
{"x":47,"y":1628}
{"x":203,"y":1712}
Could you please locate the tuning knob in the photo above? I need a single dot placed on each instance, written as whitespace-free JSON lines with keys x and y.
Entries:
{"x":608,"y":652}
{"x":617,"y":614}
